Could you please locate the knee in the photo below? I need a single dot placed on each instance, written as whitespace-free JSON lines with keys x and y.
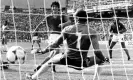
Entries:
{"x":125,"y":49}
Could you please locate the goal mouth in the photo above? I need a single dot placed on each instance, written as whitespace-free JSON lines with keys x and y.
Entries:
{"x":27,"y":17}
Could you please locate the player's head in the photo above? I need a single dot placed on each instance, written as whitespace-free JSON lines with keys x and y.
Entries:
{"x":81,"y":16}
{"x":55,"y":6}
{"x":71,"y":17}
{"x":115,"y":19}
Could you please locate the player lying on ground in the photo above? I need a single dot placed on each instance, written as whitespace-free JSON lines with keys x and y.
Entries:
{"x":36,"y":39}
{"x":55,"y":22}
{"x":117,"y":30}
{"x":79,"y":37}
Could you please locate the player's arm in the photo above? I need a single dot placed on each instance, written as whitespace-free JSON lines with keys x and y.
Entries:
{"x":95,"y":44}
{"x":123,"y":28}
{"x":67,"y":22}
{"x":111,"y":29}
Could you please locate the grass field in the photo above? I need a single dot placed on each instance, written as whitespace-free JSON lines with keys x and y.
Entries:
{"x":119,"y":69}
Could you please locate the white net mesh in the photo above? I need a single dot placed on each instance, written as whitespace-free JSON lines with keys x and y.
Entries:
{"x":27,"y":17}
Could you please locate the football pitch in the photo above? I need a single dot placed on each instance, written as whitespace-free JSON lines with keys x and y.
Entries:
{"x":118,"y":69}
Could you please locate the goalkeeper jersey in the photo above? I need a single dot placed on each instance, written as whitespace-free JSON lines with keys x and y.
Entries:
{"x":78,"y":38}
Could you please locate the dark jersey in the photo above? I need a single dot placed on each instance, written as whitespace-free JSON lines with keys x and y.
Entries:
{"x":36,"y":34}
{"x":53,"y":22}
{"x":78,"y":39}
{"x":117,"y":28}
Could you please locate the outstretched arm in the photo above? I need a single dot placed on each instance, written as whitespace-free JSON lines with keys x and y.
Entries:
{"x":95,"y":44}
{"x":123,"y":28}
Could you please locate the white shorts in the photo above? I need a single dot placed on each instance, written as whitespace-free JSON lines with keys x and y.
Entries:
{"x":118,"y":37}
{"x":52,"y":38}
{"x":35,"y":38}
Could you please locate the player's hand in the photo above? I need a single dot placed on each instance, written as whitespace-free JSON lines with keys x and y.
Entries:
{"x":60,"y":25}
{"x":39,"y":52}
{"x":34,"y":51}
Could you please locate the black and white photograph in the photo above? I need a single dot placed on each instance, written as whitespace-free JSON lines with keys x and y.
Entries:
{"x":66,"y":39}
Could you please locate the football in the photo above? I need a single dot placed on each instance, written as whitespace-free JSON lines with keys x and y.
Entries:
{"x":16,"y":53}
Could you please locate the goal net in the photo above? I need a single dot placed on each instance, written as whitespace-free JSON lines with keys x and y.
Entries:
{"x":27,"y":17}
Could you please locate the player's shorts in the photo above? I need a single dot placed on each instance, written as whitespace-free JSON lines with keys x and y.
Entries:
{"x":4,"y":40}
{"x":35,"y":39}
{"x":52,"y":38}
{"x":118,"y":37}
{"x":77,"y":64}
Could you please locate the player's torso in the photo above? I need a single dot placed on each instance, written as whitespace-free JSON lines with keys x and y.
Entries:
{"x":4,"y":32}
{"x":116,"y":28}
{"x":78,"y":41}
{"x":76,"y":44}
{"x":53,"y":22}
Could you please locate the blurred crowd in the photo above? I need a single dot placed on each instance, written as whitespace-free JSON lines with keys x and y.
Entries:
{"x":24,"y":24}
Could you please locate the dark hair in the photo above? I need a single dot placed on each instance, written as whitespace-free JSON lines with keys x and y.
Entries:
{"x":55,"y":3}
{"x":81,"y":15}
{"x":116,"y":18}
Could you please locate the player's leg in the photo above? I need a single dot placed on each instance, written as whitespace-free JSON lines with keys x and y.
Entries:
{"x":52,"y":38}
{"x":125,"y":49}
{"x":112,"y":44}
{"x":97,"y":72}
{"x":110,"y":48}
{"x":33,"y":41}
{"x":110,"y":39}
{"x":52,"y":53}
{"x":4,"y":43}
{"x":38,"y":42}
{"x":91,"y":61}
{"x":45,"y":66}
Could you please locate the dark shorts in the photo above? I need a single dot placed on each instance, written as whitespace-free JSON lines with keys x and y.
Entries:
{"x":38,"y":41}
{"x":4,"y":41}
{"x":77,"y":64}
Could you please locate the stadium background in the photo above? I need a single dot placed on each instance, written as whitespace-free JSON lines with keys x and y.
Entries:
{"x":99,"y":12}
{"x":100,"y":19}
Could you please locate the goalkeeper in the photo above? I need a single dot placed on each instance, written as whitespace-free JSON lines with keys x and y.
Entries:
{"x":79,"y":37}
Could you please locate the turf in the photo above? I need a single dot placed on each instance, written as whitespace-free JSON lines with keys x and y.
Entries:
{"x":119,"y":69}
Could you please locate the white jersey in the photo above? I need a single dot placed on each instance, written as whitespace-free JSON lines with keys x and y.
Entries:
{"x":3,"y":31}
{"x":3,"y":28}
